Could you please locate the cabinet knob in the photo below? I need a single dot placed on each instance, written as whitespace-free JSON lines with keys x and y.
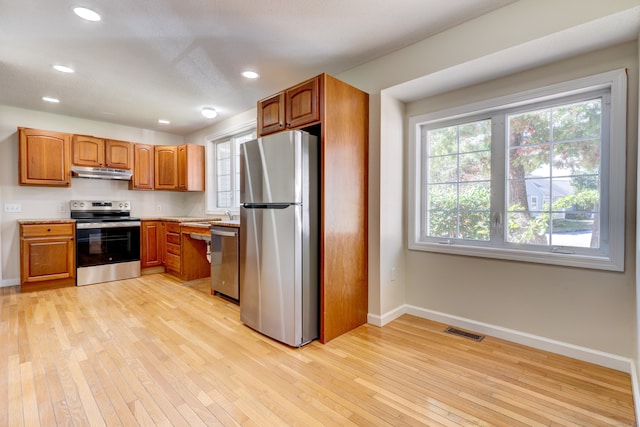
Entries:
{"x":280,"y":124}
{"x":48,"y":229}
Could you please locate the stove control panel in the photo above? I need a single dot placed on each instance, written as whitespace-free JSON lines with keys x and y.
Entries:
{"x":100,"y":205}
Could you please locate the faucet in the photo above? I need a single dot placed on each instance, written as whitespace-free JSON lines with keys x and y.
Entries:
{"x":228,"y":213}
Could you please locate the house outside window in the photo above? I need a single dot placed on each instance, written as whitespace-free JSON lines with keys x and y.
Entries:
{"x":537,"y":176}
{"x":224,"y":170}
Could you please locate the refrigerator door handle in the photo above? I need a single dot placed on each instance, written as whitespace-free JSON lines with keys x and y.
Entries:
{"x":266,"y":205}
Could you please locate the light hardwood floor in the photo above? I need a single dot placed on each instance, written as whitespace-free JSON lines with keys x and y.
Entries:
{"x":154,"y":351}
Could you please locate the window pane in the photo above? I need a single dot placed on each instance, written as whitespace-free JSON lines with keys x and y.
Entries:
{"x":458,"y":161}
{"x":560,"y":171}
{"x":443,"y":169}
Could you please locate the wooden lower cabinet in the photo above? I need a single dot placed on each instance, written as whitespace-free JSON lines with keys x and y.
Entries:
{"x":185,"y":257}
{"x":173,"y":262}
{"x":151,"y":236}
{"x":47,"y":255}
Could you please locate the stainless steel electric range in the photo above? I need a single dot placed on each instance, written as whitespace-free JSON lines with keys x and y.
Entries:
{"x":107,"y":241}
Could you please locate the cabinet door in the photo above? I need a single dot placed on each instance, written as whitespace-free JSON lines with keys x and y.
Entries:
{"x":182,"y":167}
{"x":118,"y":154}
{"x":88,"y":151}
{"x":150,"y":244}
{"x":271,"y":114}
{"x":46,"y":259}
{"x":166,"y":167}
{"x":44,"y":158}
{"x":143,"y":171}
{"x":303,"y":104}
{"x":191,"y":167}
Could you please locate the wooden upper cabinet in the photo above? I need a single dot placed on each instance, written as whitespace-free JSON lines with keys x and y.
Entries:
{"x":143,"y":169}
{"x":100,"y":153}
{"x":118,"y":154}
{"x":44,"y":158}
{"x":292,"y":108}
{"x":302,"y":104}
{"x":271,"y":114}
{"x":179,"y":167}
{"x":88,"y":151}
{"x":166,"y":167}
{"x":191,"y":167}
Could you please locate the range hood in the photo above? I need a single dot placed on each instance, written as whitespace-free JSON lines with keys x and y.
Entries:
{"x":101,"y":173}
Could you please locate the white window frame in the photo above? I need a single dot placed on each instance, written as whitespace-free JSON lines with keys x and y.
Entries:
{"x":211,"y":141}
{"x":611,"y":255}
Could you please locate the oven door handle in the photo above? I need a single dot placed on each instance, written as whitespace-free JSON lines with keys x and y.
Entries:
{"x":90,"y":225}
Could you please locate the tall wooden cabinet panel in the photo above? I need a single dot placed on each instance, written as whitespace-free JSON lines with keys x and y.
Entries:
{"x":292,"y":108}
{"x":191,"y":167}
{"x":166,"y":167}
{"x":44,"y":158}
{"x":342,"y":113}
{"x":47,"y":255}
{"x":344,"y":202}
{"x":143,"y":169}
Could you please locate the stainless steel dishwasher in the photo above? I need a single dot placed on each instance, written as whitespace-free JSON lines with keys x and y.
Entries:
{"x":225,"y":262}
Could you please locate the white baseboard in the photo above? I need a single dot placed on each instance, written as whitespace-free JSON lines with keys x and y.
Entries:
{"x":635,"y":386}
{"x":585,"y":354}
{"x":9,"y":282}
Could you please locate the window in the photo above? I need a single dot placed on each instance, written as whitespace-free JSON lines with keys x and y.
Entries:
{"x":537,"y":176}
{"x":224,"y":169}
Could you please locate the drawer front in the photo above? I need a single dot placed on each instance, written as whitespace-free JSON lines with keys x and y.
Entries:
{"x":173,"y":249}
{"x":173,"y":262}
{"x":173,"y":227}
{"x":43,"y":230}
{"x":173,"y":238}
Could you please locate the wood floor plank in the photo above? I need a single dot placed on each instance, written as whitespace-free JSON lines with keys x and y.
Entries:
{"x":157,"y":351}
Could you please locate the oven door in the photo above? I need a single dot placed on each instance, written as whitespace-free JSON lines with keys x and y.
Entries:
{"x":108,"y":244}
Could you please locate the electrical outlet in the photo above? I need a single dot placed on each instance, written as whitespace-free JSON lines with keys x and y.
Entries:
{"x":62,"y":208}
{"x":393,"y":274}
{"x":13,"y":207}
{"x":158,"y":208}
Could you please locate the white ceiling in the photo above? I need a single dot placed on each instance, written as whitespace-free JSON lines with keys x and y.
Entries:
{"x":152,"y":59}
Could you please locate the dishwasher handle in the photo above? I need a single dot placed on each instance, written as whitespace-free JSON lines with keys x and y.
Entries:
{"x":215,"y":231}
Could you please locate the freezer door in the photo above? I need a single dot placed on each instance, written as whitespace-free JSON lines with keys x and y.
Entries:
{"x":271,"y":276}
{"x":271,"y":169}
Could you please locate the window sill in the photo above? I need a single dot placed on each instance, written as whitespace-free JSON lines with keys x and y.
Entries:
{"x":561,"y":259}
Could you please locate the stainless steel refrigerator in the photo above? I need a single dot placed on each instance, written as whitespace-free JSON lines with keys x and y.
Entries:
{"x":279,"y":208}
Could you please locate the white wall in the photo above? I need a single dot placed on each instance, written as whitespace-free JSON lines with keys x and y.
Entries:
{"x":44,"y":202}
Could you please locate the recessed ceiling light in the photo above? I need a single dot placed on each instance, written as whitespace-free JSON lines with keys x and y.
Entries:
{"x":63,"y":68}
{"x":164,"y":122}
{"x":250,"y":74}
{"x":50,"y":99}
{"x":87,"y":14}
{"x":209,"y":113}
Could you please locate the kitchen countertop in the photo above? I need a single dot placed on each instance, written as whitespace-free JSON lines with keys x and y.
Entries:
{"x":47,"y":221}
{"x":183,"y":220}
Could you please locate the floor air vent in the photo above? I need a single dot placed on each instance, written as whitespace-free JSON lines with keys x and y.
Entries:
{"x":464,"y":334}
